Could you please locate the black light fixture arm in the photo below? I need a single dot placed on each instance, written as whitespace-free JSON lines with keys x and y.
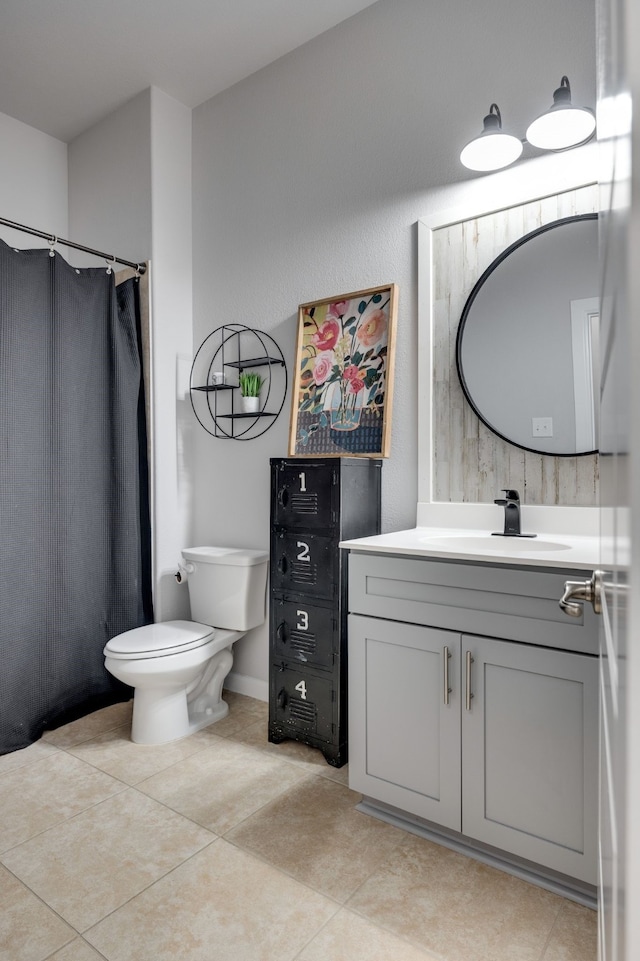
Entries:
{"x":494,"y":111}
{"x":563,"y":93}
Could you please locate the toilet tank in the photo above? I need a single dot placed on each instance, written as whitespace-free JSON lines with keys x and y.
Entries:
{"x":227,"y":586}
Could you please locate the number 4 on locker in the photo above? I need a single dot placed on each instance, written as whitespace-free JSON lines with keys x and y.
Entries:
{"x":302,"y":688}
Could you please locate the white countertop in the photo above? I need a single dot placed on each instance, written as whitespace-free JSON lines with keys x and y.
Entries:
{"x":472,"y":544}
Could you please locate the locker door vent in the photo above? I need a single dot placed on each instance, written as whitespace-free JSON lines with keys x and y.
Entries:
{"x":304,"y":503}
{"x":303,"y":573}
{"x":303,"y":642}
{"x":304,"y":711}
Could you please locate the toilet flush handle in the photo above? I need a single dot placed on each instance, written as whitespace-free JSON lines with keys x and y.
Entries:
{"x":183,"y":572}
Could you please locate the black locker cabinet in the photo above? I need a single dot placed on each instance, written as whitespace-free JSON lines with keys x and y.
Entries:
{"x":315,"y":504}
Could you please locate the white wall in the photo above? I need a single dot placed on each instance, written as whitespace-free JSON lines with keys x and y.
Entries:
{"x":110,"y":202}
{"x":309,"y":178}
{"x":171,"y":347}
{"x":33,"y":183}
{"x":130,"y":194}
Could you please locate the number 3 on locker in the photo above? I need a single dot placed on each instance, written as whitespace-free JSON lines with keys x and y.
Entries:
{"x":302,"y":687}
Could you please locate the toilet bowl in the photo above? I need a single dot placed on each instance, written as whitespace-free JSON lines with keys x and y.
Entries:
{"x":177,"y":668}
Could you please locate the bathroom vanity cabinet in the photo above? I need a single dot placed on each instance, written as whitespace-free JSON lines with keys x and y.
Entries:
{"x":474,"y":707}
{"x":315,"y":503}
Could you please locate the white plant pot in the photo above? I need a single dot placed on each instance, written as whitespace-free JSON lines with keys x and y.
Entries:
{"x":250,"y":405}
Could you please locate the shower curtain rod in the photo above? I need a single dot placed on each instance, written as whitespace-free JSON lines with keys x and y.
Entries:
{"x":70,"y":243}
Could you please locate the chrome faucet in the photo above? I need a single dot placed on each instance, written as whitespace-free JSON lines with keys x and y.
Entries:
{"x":511,"y":504}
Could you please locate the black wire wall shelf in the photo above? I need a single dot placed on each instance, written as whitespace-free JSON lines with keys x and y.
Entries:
{"x":214,"y":383}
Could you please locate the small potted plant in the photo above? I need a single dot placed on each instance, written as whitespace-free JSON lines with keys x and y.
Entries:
{"x":250,"y":385}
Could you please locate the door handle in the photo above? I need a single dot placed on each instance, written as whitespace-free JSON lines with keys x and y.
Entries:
{"x":575,"y":591}
{"x":468,"y":692}
{"x":281,"y":632}
{"x":282,"y":564}
{"x":446,"y":654}
{"x":283,"y":497}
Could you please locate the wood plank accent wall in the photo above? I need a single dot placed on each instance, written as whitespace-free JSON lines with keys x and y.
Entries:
{"x":470,"y":463}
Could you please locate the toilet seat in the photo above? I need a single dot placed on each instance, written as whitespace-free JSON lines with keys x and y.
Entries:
{"x":159,"y":640}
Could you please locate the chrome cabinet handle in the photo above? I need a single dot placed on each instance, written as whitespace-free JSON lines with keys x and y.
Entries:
{"x":575,"y":591}
{"x":468,"y":694}
{"x":446,"y":654}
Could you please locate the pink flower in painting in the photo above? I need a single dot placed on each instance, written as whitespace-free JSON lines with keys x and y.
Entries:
{"x":372,"y":329}
{"x":338,"y":309}
{"x":354,"y":377}
{"x":322,"y":367}
{"x":326,"y":337}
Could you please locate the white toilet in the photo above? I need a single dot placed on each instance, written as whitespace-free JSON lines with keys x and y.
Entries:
{"x":177,"y":668}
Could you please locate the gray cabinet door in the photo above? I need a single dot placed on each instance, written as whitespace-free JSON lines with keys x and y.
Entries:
{"x":530,"y":753}
{"x":404,"y":731}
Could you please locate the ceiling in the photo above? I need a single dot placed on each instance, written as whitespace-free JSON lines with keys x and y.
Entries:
{"x":66,"y":64}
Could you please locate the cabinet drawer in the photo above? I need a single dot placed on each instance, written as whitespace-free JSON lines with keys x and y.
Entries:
{"x":518,"y":604}
{"x":302,"y":701}
{"x":302,"y":496}
{"x":307,"y":633}
{"x":304,"y":563}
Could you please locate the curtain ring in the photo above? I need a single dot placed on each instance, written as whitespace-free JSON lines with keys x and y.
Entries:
{"x":53,"y":240}
{"x":110,"y":264}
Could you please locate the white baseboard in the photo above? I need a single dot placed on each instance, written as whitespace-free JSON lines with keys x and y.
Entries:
{"x":251,"y":686}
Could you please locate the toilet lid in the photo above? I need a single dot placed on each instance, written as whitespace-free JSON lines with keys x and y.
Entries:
{"x":157,"y":639}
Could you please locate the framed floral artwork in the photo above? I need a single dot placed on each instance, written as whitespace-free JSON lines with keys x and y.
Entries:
{"x":343,"y":378}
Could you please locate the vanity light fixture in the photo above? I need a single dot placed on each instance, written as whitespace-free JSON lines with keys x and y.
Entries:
{"x":561,"y":127}
{"x":493,"y":149}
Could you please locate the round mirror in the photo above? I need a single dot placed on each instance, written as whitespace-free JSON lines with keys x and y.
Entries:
{"x":527,"y":343}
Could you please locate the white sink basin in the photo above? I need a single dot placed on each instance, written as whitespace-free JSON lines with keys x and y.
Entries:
{"x":497,"y":545}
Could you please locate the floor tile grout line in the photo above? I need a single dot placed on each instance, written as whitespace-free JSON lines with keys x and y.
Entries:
{"x":46,"y":740}
{"x":147,"y":887}
{"x":316,"y":934}
{"x":84,"y":931}
{"x":69,"y":751}
{"x":274,"y":867}
{"x":60,"y":822}
{"x":74,"y":930}
{"x":551,"y":930}
{"x":428,"y":954}
{"x":77,"y":937}
{"x":167,"y":805}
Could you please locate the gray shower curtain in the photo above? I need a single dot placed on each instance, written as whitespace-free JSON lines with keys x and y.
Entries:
{"x":74,"y":516}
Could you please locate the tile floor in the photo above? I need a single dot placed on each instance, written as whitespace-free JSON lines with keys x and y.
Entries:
{"x":222,"y":847}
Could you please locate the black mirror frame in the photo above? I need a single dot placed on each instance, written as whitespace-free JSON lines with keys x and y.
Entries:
{"x":465,"y":313}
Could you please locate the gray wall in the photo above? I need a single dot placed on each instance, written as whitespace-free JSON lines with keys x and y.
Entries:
{"x":33,"y":182}
{"x":308,"y":180}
